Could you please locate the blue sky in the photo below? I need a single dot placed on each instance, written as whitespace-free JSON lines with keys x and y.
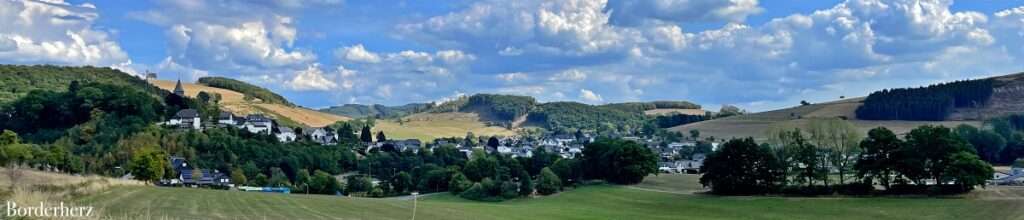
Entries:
{"x":758,"y":55}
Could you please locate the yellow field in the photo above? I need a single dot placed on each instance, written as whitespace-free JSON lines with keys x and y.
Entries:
{"x":427,"y":126}
{"x":235,"y":102}
{"x":757,"y":124}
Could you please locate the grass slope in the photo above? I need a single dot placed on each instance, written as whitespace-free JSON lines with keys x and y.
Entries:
{"x":427,"y":126}
{"x":757,"y":124}
{"x":591,"y":202}
{"x":235,"y":102}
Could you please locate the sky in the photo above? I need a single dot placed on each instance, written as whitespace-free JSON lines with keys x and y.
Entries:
{"x":758,"y":55}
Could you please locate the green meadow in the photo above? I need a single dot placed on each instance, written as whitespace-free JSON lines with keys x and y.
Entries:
{"x":660,"y":197}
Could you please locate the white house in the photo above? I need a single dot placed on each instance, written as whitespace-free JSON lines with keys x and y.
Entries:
{"x":285,"y":134}
{"x":226,"y":118}
{"x":257,"y":123}
{"x":186,"y":118}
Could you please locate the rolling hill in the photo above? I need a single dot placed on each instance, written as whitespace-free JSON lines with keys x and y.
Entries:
{"x":1007,"y":97}
{"x":757,"y":124}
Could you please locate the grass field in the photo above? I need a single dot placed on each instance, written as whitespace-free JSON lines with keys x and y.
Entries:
{"x":427,"y":126}
{"x":660,"y":197}
{"x":756,"y":125}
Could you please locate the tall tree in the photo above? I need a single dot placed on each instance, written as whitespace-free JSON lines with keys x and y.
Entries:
{"x":366,"y":135}
{"x":381,"y":137}
{"x":837,"y":140}
{"x":741,"y":167}
{"x":877,"y":158}
{"x":548,"y":183}
{"x":148,"y":165}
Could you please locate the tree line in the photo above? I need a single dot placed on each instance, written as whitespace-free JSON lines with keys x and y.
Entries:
{"x":928,"y":160}
{"x":932,"y":103}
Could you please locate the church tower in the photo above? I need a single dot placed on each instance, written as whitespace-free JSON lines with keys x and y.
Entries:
{"x":178,"y":90}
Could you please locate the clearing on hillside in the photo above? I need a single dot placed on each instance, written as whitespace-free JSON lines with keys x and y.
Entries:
{"x":757,"y":124}
{"x":428,"y":126}
{"x":235,"y":102}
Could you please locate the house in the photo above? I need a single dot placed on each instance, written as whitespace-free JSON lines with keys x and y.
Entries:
{"x":186,"y":119}
{"x":526,"y":152}
{"x":285,"y":134}
{"x":1014,"y":177}
{"x":207,"y":177}
{"x":226,"y":118}
{"x":322,"y":135}
{"x":259,"y":124}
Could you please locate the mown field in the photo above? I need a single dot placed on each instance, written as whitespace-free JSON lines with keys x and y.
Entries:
{"x":661,"y":197}
{"x":427,"y":126}
{"x":756,"y":125}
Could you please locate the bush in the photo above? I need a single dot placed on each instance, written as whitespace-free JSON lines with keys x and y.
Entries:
{"x":548,"y":183}
{"x":816,"y":190}
{"x":855,"y":189}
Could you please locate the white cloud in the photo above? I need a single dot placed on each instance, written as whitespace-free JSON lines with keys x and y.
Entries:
{"x":569,"y":75}
{"x":590,"y":96}
{"x":311,"y":79}
{"x":510,"y":77}
{"x":55,"y":32}
{"x":246,"y":47}
{"x":562,"y":27}
{"x":636,"y":12}
{"x":357,"y":53}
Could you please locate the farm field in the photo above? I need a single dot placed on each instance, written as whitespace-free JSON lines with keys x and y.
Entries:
{"x":643,"y":201}
{"x":427,"y":126}
{"x":757,"y":124}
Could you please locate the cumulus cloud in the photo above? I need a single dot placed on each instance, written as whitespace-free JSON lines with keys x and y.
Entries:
{"x":357,"y":53}
{"x":310,"y":79}
{"x":56,"y":32}
{"x":252,"y":40}
{"x":637,"y":12}
{"x":590,"y":96}
{"x":563,"y":27}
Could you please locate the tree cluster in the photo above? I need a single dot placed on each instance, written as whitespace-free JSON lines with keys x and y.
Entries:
{"x":930,"y":159}
{"x":932,"y":103}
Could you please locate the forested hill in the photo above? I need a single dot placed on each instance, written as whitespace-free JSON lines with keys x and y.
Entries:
{"x":375,"y":111}
{"x":960,"y":100}
{"x":17,"y":80}
{"x":250,"y":91}
{"x":513,"y":111}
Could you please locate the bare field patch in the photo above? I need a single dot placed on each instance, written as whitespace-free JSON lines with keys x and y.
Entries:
{"x":427,"y":126}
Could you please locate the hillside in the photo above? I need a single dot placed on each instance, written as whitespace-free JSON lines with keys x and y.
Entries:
{"x":235,"y":102}
{"x":660,"y":197}
{"x":18,"y":80}
{"x":249,"y":90}
{"x":757,"y":124}
{"x":1007,"y":97}
{"x":428,"y":126}
{"x":376,"y":111}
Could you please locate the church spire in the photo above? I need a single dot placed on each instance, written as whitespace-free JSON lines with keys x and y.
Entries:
{"x":178,"y":90}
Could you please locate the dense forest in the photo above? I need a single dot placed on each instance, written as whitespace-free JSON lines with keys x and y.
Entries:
{"x":644,"y":106}
{"x":375,"y":111}
{"x":18,"y":80}
{"x":573,"y":115}
{"x":672,"y":120}
{"x":932,"y":103}
{"x":249,"y":90}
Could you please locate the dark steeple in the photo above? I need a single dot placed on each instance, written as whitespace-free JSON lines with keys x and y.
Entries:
{"x":178,"y":90}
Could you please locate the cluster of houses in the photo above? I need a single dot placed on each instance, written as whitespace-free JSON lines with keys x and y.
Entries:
{"x":188,"y":177}
{"x":1014,"y":176}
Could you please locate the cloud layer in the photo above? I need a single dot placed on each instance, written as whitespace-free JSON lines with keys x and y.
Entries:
{"x":593,"y":51}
